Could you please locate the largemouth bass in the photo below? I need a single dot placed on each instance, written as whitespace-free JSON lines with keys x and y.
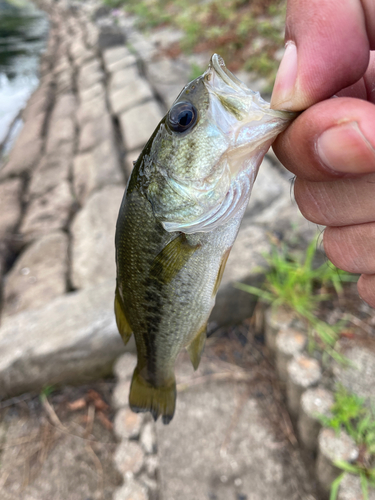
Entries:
{"x":178,"y":220}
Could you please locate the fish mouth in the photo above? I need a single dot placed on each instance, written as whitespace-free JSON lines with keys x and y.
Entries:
{"x":217,"y":68}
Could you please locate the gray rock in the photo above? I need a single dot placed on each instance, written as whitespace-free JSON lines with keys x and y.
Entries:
{"x":39,"y":102}
{"x":65,"y":107}
{"x":110,"y":36}
{"x":61,"y":130}
{"x":233,"y":305}
{"x":71,"y":340}
{"x":118,"y":58}
{"x":289,"y":343}
{"x":168,"y":77}
{"x":148,"y":438}
{"x":122,"y":78}
{"x":87,"y":94}
{"x":38,"y":276}
{"x":129,"y":458}
{"x":131,"y":490}
{"x":90,"y":74}
{"x":52,"y":170}
{"x":314,"y":403}
{"x":202,"y":455}
{"x":92,"y":109}
{"x":124,"y":366}
{"x":132,"y":94}
{"x":333,"y":446}
{"x":357,"y":377}
{"x":129,"y":160}
{"x":96,"y":169}
{"x":142,"y":45}
{"x":128,"y":424}
{"x":10,"y":206}
{"x":47,"y":213}
{"x":303,"y":372}
{"x":120,"y":397}
{"x":95,"y":132}
{"x":93,"y":232}
{"x":26,"y":149}
{"x":137,"y":124}
{"x":350,"y":489}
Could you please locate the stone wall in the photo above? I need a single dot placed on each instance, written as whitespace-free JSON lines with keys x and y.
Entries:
{"x":104,"y":87}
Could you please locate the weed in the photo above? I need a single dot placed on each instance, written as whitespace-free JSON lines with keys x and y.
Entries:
{"x":295,"y":282}
{"x":350,"y":414}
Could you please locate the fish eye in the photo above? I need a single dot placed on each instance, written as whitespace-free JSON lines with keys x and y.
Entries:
{"x":182,"y":117}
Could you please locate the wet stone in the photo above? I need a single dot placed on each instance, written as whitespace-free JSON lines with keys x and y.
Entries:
{"x":135,"y":129}
{"x":129,"y":458}
{"x":38,"y":275}
{"x":48,"y":212}
{"x":93,"y":233}
{"x":128,"y":424}
{"x":65,"y":107}
{"x":129,"y":96}
{"x":350,"y":489}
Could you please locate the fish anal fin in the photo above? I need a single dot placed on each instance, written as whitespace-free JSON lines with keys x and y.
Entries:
{"x":159,"y":400}
{"x":169,"y":262}
{"x":123,"y":326}
{"x":195,"y":348}
{"x":221,"y":271}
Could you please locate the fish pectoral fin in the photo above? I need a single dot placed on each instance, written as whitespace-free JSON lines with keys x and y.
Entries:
{"x":195,"y":348}
{"x":122,"y":323}
{"x":221,"y":272}
{"x":172,"y":258}
{"x":158,"y":400}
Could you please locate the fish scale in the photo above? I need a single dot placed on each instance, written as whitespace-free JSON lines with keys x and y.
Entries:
{"x":194,"y":175}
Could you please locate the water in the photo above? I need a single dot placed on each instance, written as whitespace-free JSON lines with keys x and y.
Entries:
{"x":23,"y":35}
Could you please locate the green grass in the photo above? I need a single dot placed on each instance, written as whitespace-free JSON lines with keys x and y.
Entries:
{"x":228,"y":27}
{"x":349,"y":413}
{"x":295,"y":282}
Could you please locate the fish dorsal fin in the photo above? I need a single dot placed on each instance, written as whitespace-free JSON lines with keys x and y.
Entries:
{"x":169,"y":262}
{"x":195,"y":348}
{"x":122,"y":323}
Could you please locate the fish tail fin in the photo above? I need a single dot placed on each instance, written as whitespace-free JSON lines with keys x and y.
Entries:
{"x":158,"y":400}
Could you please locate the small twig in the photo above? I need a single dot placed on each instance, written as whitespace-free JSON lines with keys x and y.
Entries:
{"x":90,"y":420}
{"x":24,"y":440}
{"x":52,"y":414}
{"x":15,"y":401}
{"x":99,"y":468}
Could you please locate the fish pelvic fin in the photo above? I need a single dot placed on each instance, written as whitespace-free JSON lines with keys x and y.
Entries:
{"x":195,"y":348}
{"x":159,"y":400}
{"x":169,"y":262}
{"x":221,"y":272}
{"x":123,"y":326}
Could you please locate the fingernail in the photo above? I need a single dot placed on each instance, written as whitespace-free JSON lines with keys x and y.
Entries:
{"x":285,"y":79}
{"x":345,"y":149}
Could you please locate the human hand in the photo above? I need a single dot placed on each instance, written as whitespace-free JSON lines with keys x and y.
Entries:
{"x":330,"y":147}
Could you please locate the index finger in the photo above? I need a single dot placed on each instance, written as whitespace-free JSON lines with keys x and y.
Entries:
{"x":327,"y":49}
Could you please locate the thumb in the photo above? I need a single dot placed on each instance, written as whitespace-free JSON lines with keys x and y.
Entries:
{"x":327,"y":49}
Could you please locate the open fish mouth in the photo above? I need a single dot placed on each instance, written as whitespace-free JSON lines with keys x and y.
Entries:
{"x":219,"y":74}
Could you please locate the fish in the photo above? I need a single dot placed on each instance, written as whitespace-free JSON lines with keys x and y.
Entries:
{"x":178,"y":220}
